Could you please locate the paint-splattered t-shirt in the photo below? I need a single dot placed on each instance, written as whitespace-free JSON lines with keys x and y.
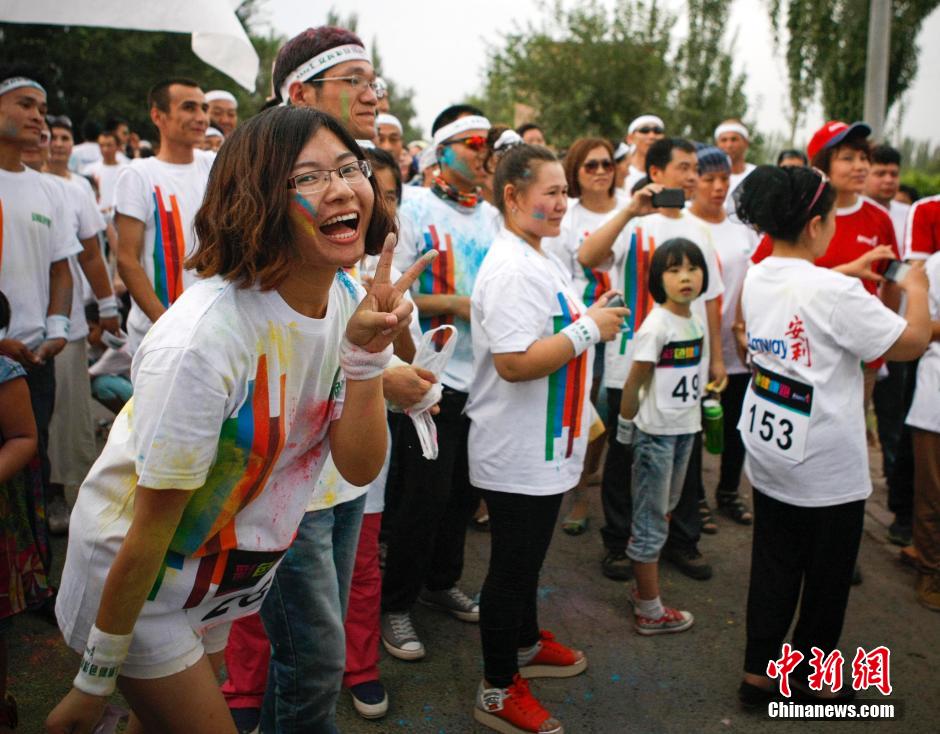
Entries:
{"x":632,"y":252}
{"x":234,"y":393}
{"x":34,"y":233}
{"x":165,"y":197}
{"x":461,"y":236}
{"x":525,"y":437}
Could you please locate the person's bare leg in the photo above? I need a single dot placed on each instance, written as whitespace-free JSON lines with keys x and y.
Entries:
{"x":189,"y":702}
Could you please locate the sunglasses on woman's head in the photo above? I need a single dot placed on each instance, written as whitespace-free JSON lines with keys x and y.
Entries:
{"x":605,"y":165}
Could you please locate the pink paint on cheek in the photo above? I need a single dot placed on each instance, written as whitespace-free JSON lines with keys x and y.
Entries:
{"x":302,"y":212}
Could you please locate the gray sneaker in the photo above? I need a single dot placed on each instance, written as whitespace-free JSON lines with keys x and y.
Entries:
{"x":453,"y":601}
{"x":399,"y":636}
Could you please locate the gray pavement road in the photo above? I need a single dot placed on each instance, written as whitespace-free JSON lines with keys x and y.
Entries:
{"x":673,"y":683}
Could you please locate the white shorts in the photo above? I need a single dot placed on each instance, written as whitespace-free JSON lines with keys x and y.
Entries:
{"x":164,"y":645}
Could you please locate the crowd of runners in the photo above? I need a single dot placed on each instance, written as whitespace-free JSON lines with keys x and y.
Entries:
{"x":330,"y":351}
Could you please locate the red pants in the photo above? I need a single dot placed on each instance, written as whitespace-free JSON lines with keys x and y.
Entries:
{"x":248,"y":652}
{"x":246,"y":661}
{"x":365,"y":601}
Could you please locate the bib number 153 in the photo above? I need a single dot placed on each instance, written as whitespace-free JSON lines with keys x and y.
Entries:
{"x":766,"y":426}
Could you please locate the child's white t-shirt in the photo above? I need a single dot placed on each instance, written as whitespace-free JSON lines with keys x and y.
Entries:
{"x":630,"y":263}
{"x":36,"y":232}
{"x":526,"y":437}
{"x":165,"y":197}
{"x":234,"y":394}
{"x":925,"y":408}
{"x":678,"y":346}
{"x":734,"y":244}
{"x":461,"y":236}
{"x":808,"y":330}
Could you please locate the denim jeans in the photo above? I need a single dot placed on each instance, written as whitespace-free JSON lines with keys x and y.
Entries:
{"x":659,"y":465}
{"x":303,"y":617}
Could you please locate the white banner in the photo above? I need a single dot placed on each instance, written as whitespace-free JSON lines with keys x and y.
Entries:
{"x":218,"y":36}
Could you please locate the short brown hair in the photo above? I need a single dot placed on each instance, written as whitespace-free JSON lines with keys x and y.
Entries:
{"x":304,"y":46}
{"x":575,"y":158}
{"x":243,"y":225}
{"x":823,"y":159}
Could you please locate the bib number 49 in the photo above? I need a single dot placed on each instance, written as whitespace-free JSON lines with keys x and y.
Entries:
{"x":770,"y":428}
{"x":681,"y":390}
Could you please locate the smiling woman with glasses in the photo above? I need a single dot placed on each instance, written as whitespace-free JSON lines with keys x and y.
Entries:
{"x":269,"y":363}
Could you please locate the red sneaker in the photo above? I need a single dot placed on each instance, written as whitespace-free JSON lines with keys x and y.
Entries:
{"x":514,"y":710}
{"x":552,"y":660}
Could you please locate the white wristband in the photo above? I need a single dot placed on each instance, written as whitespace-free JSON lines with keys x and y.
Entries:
{"x":108,"y":307}
{"x":625,"y":431}
{"x":57,"y":327}
{"x":104,"y":654}
{"x":359,"y":364}
{"x":583,"y":333}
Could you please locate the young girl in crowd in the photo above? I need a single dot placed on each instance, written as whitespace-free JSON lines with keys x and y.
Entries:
{"x":268,"y":363}
{"x":23,"y":545}
{"x":589,"y":171}
{"x":808,"y":331}
{"x":532,"y":340}
{"x":660,"y":412}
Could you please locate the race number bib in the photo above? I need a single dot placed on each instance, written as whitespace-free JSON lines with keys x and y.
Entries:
{"x":240,"y":591}
{"x":678,"y":380}
{"x":776,"y":415}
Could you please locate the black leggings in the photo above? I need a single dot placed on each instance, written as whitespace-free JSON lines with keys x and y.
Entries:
{"x":794,"y":549}
{"x":521,"y":529}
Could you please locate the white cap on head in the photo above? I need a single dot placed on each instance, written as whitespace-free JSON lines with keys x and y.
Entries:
{"x":623,"y":150}
{"x":644,"y":120}
{"x":427,"y":158}
{"x":384,"y":118}
{"x":217,"y":95}
{"x":732,"y":127}
{"x":214,"y":132}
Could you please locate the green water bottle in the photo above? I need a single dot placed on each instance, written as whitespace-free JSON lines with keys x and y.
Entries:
{"x":713,"y":425}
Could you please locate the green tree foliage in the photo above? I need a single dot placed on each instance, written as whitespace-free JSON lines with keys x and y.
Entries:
{"x":826,"y":48}
{"x":95,"y":73}
{"x":589,"y":70}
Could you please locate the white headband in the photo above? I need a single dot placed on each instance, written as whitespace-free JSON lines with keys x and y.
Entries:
{"x":366,"y":144}
{"x":15,"y":82}
{"x":623,"y":150}
{"x":217,"y":95}
{"x":732,"y":127}
{"x":460,"y":125}
{"x":322,"y":62}
{"x":645,"y":120}
{"x":386,"y":119}
{"x":213,"y":132}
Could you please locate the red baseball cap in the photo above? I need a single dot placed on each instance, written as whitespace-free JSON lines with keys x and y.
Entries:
{"x":833,"y":133}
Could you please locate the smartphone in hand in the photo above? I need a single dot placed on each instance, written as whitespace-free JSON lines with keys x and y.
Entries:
{"x":669,"y":198}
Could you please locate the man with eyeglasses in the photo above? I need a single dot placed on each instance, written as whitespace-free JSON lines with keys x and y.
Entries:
{"x":155,"y":202}
{"x":35,"y":244}
{"x":425,"y":545}
{"x":641,"y":134}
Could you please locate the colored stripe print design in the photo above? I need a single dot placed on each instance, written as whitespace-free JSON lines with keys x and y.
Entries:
{"x":439,"y":278}
{"x":636,"y":290}
{"x":565,"y":391}
{"x":169,"y":249}
{"x":598,"y":281}
{"x":249,"y":446}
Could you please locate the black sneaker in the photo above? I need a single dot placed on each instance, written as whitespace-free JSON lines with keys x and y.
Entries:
{"x":690,"y":562}
{"x":900,"y":534}
{"x":617,"y":566}
{"x":246,"y":719}
{"x":369,"y":699}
